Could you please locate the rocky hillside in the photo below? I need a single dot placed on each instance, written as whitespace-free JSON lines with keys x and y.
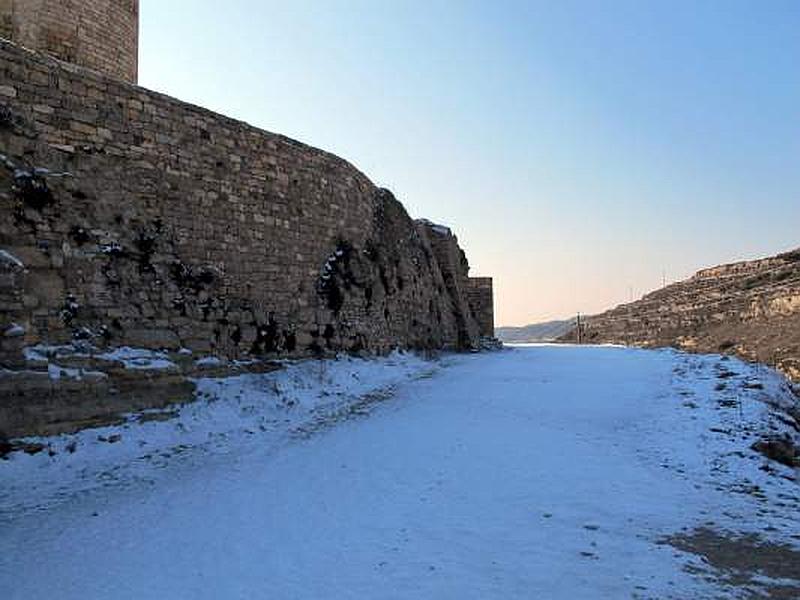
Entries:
{"x":750,"y":308}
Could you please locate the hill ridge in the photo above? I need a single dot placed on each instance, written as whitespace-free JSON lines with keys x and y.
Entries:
{"x":750,"y":308}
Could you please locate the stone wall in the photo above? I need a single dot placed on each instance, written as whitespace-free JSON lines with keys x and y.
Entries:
{"x":480,"y":297}
{"x":132,"y":218}
{"x":99,"y":34}
{"x":455,"y":270}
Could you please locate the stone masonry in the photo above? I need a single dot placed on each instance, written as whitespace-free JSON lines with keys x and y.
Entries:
{"x":99,"y":34}
{"x":131,"y":218}
{"x":480,"y":297}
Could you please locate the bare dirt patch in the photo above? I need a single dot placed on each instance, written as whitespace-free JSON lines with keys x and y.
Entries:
{"x":762,"y":569}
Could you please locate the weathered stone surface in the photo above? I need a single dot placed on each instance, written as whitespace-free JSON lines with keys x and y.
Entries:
{"x":480,"y":297}
{"x":99,"y":34}
{"x":781,"y":450}
{"x":169,"y":225}
{"x":76,"y":387}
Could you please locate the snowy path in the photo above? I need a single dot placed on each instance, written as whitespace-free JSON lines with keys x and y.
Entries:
{"x":541,"y":472}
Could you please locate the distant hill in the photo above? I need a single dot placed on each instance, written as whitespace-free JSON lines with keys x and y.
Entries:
{"x":750,"y":308}
{"x":537,"y":332}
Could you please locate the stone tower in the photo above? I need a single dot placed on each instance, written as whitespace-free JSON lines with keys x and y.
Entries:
{"x":99,"y":34}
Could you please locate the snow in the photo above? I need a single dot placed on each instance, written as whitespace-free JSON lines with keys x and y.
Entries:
{"x":139,"y":358}
{"x":14,"y":330}
{"x":45,"y":352}
{"x":209,"y":361}
{"x":327,"y":267}
{"x":542,"y":471}
{"x":264,"y":409}
{"x":38,"y":172}
{"x":131,"y":358}
{"x":112,"y":248}
{"x":440,"y":229}
{"x":56,"y":372}
{"x":9,"y":258}
{"x":6,"y":162}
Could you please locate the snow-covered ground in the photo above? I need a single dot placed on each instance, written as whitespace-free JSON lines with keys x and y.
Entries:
{"x":538,"y":472}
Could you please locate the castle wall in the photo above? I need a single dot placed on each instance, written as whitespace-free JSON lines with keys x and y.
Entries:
{"x":480,"y":297}
{"x":455,"y":272}
{"x":142,"y":220}
{"x":98,"y":34}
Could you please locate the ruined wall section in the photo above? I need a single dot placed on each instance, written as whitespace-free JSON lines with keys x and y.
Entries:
{"x":98,"y":34}
{"x":480,"y":297}
{"x":455,"y":271}
{"x":133,"y":218}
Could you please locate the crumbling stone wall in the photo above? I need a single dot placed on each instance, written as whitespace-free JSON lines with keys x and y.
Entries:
{"x":480,"y":297}
{"x":455,"y":271}
{"x":99,"y":34}
{"x":132,"y":218}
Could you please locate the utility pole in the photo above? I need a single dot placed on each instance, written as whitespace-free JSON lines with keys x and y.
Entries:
{"x":580,"y":336}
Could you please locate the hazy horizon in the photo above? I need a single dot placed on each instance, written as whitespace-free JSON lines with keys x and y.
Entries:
{"x":580,"y":151}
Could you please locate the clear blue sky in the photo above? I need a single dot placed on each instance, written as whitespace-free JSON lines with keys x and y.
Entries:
{"x":578,"y":149}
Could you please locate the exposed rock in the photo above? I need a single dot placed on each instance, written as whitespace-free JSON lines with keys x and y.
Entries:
{"x":748,"y":308}
{"x":781,"y":450}
{"x":761,"y":568}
